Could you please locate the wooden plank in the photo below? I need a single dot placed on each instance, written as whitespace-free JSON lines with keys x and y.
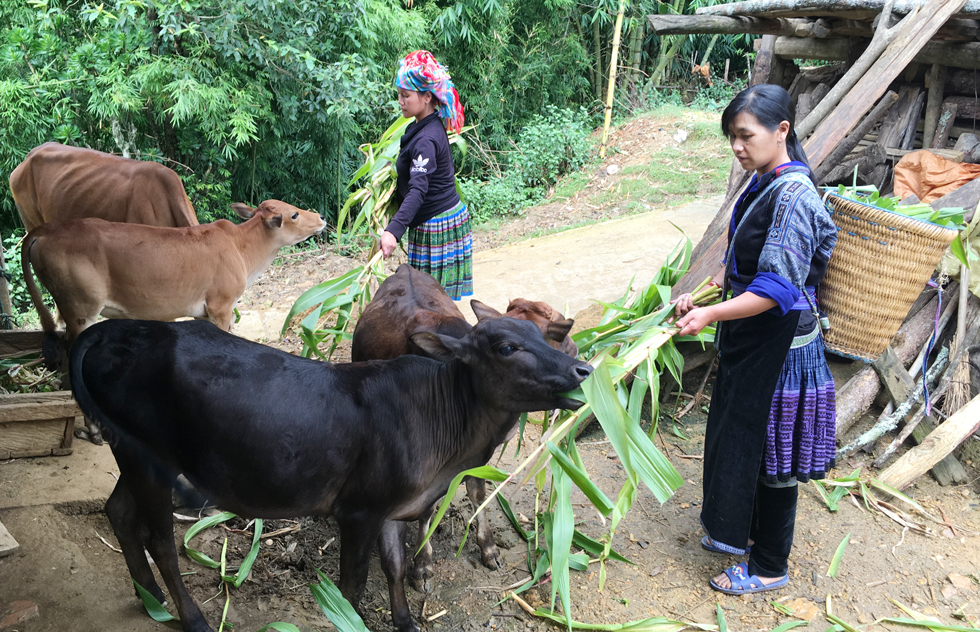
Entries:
{"x":890,"y":134}
{"x":967,"y":197}
{"x":20,"y":341}
{"x":31,"y":411}
{"x":940,"y":443}
{"x":7,"y":542}
{"x":895,"y":378}
{"x":35,"y":437}
{"x":877,"y":113}
{"x":946,"y":118}
{"x":911,"y":122}
{"x":949,"y":154}
{"x":947,"y":472}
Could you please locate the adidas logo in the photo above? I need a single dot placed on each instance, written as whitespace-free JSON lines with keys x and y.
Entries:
{"x":418,"y":164}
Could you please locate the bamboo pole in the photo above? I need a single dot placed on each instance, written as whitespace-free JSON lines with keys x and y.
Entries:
{"x":611,"y":89}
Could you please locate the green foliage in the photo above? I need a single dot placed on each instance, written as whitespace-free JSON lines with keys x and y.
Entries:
{"x":552,"y":145}
{"x":506,"y":195}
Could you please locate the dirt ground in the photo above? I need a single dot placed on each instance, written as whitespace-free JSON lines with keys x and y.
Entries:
{"x":53,"y":506}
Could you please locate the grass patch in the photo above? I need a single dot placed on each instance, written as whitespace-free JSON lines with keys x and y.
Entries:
{"x":570,"y":186}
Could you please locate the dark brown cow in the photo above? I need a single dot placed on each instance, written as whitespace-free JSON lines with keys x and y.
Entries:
{"x":411,"y":301}
{"x":59,"y":182}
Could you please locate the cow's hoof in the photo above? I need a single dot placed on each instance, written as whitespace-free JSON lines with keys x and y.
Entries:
{"x":421,"y":579}
{"x":86,"y":435}
{"x":491,"y":558}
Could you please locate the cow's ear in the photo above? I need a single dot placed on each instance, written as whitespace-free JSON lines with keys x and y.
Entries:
{"x":558,"y":329}
{"x":483,"y":311}
{"x":442,"y":348}
{"x":243,"y":210}
{"x":275,"y":221}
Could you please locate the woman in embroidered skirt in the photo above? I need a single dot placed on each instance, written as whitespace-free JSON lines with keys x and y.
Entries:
{"x":437,"y":221}
{"x":772,"y":419}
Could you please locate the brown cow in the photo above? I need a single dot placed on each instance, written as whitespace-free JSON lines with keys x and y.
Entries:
{"x":94,"y":267}
{"x":59,"y":182}
{"x":411,"y":301}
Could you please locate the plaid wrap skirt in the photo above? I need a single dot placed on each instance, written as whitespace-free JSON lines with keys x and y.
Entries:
{"x":443,"y":247}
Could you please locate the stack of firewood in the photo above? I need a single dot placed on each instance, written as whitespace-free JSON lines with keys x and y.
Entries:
{"x":898,"y":82}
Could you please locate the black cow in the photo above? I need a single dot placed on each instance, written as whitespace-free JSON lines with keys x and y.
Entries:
{"x":270,"y":435}
{"x":412,"y":301}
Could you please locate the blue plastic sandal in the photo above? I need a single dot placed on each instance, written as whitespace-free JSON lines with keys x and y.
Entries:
{"x":708,"y":545}
{"x":742,"y":584}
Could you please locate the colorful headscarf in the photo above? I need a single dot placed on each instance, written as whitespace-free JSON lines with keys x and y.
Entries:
{"x":420,"y":71}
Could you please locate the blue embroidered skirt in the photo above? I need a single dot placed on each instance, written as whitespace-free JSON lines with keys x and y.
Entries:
{"x":443,"y":247}
{"x":801,"y":440}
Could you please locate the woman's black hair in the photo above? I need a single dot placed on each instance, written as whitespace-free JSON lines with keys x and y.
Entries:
{"x":771,"y":105}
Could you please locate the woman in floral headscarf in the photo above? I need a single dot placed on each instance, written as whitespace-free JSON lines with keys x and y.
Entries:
{"x":430,"y":210}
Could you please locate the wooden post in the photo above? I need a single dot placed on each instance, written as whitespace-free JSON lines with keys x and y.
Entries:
{"x":763,"y":61}
{"x":7,"y":318}
{"x":937,"y":82}
{"x":941,"y":442}
{"x":946,"y":119}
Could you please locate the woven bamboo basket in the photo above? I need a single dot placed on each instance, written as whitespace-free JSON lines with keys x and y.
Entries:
{"x":880,"y":265}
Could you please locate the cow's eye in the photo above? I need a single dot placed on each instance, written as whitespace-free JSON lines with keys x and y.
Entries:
{"x":506,"y":350}
{"x":295,"y":215}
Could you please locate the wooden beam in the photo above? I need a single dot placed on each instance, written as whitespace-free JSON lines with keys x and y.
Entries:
{"x":949,"y":154}
{"x":849,"y":143}
{"x":896,"y":379}
{"x":940,"y":443}
{"x":872,"y":86}
{"x":710,"y":24}
{"x":966,"y":107}
{"x":955,"y":55}
{"x":852,"y":9}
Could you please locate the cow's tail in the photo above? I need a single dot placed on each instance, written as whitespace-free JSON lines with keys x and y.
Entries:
{"x":117,"y":435}
{"x":51,"y":346}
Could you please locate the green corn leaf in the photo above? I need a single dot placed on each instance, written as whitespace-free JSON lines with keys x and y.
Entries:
{"x":789,"y":625}
{"x":246,"y":567}
{"x":320,"y":293}
{"x":509,"y":513}
{"x":560,"y":543}
{"x":653,"y":624}
{"x":485,"y":471}
{"x":838,"y":556}
{"x":936,"y":627}
{"x":654,"y":469}
{"x":594,"y":547}
{"x":602,"y":398}
{"x":844,"y":625}
{"x":155,"y":609}
{"x":196,"y":528}
{"x":781,"y":608}
{"x":581,"y":480}
{"x":280,"y":626}
{"x":722,"y":624}
{"x":874,"y":482}
{"x":578,"y":562}
{"x":831,"y":505}
{"x":337,"y":609}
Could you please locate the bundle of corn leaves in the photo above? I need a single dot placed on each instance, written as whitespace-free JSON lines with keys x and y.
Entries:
{"x":333,"y":301}
{"x":632,"y":340}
